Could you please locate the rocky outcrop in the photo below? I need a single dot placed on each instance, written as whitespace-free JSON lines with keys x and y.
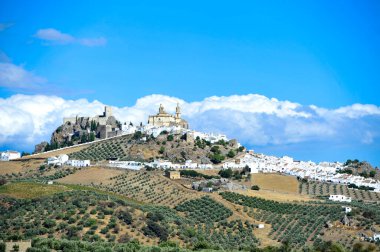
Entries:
{"x":40,"y":147}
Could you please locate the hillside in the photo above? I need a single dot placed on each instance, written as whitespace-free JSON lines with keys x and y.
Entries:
{"x":175,"y":148}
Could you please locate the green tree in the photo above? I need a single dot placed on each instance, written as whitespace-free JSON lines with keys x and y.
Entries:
{"x":231,"y":154}
{"x":162,"y":150}
{"x":92,"y":136}
{"x":255,"y":187}
{"x":226,"y":173}
{"x":170,"y":138}
{"x":372,"y":174}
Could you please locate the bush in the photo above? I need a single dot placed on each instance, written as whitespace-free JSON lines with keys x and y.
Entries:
{"x":170,"y":138}
{"x":226,"y":173}
{"x":255,"y":187}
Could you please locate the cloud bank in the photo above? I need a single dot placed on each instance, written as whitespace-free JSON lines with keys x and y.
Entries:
{"x":253,"y":119}
{"x":56,"y":37}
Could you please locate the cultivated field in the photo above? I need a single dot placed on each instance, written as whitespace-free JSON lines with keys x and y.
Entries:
{"x":277,"y":196}
{"x":30,"y":190}
{"x":150,"y":187}
{"x":325,"y":189}
{"x":92,"y":175}
{"x":275,"y":182}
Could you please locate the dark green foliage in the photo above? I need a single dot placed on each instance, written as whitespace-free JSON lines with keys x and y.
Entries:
{"x":372,"y":174}
{"x":204,"y":210}
{"x":231,"y":154}
{"x":226,"y":173}
{"x":170,"y":138}
{"x":155,"y":229}
{"x":125,"y":216}
{"x":137,"y":135}
{"x":255,"y":187}
{"x":3,"y":181}
{"x":194,"y":174}
{"x":162,"y":150}
{"x":291,"y":222}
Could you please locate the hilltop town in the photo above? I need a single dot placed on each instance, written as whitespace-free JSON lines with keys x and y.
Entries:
{"x":164,"y":183}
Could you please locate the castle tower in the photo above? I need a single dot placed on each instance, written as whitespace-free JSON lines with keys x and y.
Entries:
{"x":178,"y":111}
{"x":107,"y":111}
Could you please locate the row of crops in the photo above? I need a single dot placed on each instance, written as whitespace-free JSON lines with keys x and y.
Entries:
{"x":39,"y":176}
{"x":92,"y":217}
{"x":204,"y":210}
{"x":113,"y":148}
{"x":325,"y":189}
{"x":147,"y":187}
{"x":210,"y":219}
{"x":291,"y":222}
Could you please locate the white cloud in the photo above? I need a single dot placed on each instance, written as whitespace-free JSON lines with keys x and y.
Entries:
{"x":54,"y":36}
{"x":253,"y":119}
{"x":13,"y":76}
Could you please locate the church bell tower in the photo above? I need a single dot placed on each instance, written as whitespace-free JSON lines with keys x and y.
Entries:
{"x":178,"y":111}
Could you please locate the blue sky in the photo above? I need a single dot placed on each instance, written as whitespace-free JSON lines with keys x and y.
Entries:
{"x":322,"y":53}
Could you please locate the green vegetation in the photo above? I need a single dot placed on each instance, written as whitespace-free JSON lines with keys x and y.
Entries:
{"x":325,"y":189}
{"x":204,"y":210}
{"x":194,"y":174}
{"x":103,"y":220}
{"x":226,"y":173}
{"x":110,"y":149}
{"x":30,"y":190}
{"x":292,"y":223}
{"x":255,"y":187}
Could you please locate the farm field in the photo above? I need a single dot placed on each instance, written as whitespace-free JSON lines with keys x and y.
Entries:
{"x":27,"y":190}
{"x":150,"y":187}
{"x":325,"y":189}
{"x":275,"y":182}
{"x":289,"y":223}
{"x":274,"y":195}
{"x":20,"y":166}
{"x":91,"y":175}
{"x":90,"y":216}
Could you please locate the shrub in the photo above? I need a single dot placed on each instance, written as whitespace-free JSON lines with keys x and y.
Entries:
{"x":255,"y":187}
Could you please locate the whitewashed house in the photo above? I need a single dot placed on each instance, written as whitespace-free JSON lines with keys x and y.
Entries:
{"x":205,"y":166}
{"x":9,"y":155}
{"x":340,"y":198}
{"x":347,"y":209}
{"x":132,"y":165}
{"x":78,"y":163}
{"x":60,"y":160}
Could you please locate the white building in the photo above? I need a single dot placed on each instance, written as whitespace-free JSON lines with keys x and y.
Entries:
{"x":260,"y":226}
{"x":132,"y":165}
{"x":9,"y":155}
{"x":347,"y":209}
{"x":78,"y":163}
{"x":60,"y":160}
{"x":340,"y":198}
{"x":376,"y":236}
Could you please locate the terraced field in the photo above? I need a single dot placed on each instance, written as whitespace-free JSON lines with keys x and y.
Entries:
{"x":325,"y":189}
{"x":150,"y":187}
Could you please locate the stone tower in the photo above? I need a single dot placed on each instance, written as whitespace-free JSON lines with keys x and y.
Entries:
{"x":161,"y":110}
{"x":178,"y":111}
{"x":107,"y":111}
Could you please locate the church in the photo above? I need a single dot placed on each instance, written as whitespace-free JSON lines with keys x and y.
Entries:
{"x":168,"y":120}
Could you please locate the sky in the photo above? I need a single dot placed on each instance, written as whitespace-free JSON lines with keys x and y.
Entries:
{"x":296,"y":78}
